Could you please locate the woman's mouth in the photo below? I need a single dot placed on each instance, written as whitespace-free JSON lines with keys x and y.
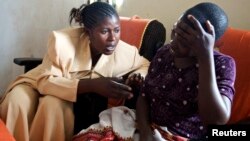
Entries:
{"x":110,"y":48}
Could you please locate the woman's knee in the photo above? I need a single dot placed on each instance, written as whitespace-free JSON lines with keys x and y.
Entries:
{"x":21,"y":98}
{"x":52,"y":103}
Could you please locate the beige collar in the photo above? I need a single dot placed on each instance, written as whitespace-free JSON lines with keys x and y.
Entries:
{"x":83,"y":61}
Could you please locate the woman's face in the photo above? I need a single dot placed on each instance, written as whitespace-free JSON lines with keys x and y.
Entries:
{"x":105,"y":36}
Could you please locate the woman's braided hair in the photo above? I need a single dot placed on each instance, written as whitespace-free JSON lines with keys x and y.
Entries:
{"x":91,"y":15}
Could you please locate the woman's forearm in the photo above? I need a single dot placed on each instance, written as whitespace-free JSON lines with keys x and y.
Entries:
{"x":212,"y":107}
{"x":142,"y":114}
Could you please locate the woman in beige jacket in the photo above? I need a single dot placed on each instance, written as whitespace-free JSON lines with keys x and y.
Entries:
{"x":83,"y":62}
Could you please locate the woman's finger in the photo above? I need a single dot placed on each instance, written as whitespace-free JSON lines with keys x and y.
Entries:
{"x":210,"y":28}
{"x":196,"y":24}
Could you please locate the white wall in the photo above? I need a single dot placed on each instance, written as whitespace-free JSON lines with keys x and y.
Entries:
{"x":24,"y":29}
{"x":25,"y":24}
{"x":168,"y":11}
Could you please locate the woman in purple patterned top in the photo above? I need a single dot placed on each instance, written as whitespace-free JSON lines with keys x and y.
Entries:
{"x":189,"y":85}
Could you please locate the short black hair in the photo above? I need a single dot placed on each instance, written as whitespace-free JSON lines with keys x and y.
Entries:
{"x":91,"y":15}
{"x":208,"y":11}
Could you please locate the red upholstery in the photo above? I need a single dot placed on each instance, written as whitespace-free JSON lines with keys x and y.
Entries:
{"x":236,"y":43}
{"x":133,"y":29}
{"x":4,"y":133}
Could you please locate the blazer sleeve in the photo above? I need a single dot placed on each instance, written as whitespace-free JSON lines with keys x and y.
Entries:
{"x":55,"y":79}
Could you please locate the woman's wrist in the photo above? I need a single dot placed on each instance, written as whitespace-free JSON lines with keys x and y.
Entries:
{"x":85,"y":86}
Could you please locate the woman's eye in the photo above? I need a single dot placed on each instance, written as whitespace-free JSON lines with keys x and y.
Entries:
{"x":104,"y":31}
{"x":117,"y":30}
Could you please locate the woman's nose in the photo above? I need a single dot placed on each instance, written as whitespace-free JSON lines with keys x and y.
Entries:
{"x":112,"y":36}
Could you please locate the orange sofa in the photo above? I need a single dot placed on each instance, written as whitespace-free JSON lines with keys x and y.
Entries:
{"x":4,"y":133}
{"x":236,"y":43}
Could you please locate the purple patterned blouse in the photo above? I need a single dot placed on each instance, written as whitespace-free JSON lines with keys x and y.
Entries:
{"x":172,"y":92}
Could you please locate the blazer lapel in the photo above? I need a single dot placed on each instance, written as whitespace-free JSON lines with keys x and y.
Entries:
{"x":105,"y":65}
{"x":82,"y":60}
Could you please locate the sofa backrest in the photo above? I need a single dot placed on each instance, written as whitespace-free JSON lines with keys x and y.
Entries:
{"x":236,"y":43}
{"x":148,"y":35}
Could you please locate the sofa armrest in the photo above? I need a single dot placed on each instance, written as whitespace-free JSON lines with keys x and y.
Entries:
{"x":5,"y":135}
{"x":28,"y":63}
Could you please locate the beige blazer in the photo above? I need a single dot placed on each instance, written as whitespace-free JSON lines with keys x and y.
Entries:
{"x":68,"y":60}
